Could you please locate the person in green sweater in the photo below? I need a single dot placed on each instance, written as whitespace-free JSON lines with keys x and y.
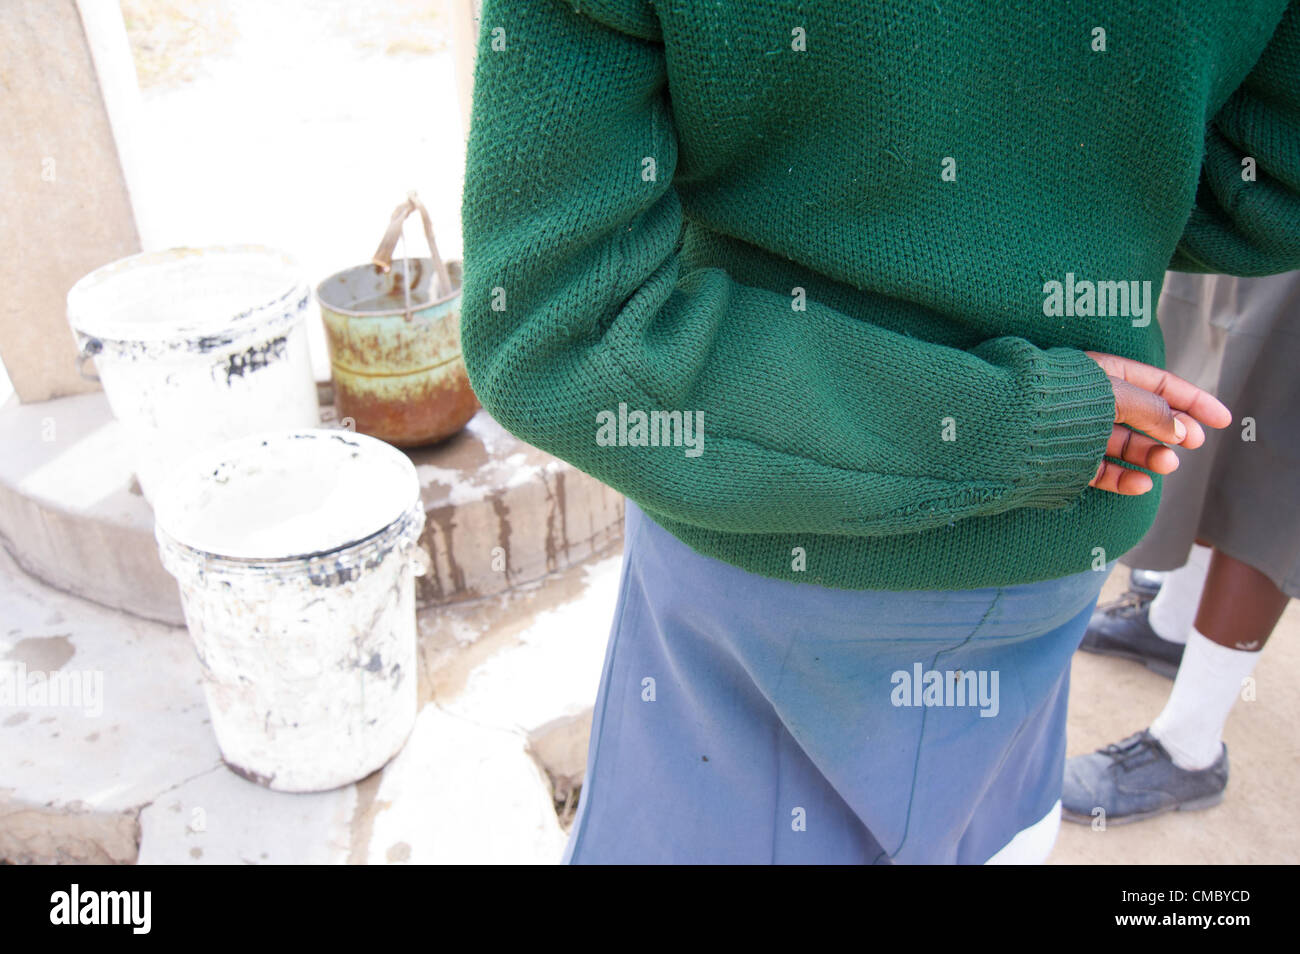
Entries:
{"x":854,"y":305}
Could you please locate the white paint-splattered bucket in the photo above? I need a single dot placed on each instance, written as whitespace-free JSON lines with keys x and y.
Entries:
{"x":195,"y":347}
{"x":296,"y":554}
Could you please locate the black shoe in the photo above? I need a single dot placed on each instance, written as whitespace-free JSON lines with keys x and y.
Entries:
{"x":1122,"y":629}
{"x":1146,"y":582}
{"x":1137,"y":779}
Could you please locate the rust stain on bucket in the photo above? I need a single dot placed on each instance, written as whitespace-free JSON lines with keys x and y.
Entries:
{"x":398,"y":374}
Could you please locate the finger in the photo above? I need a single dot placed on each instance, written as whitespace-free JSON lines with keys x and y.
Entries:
{"x":1195,"y":436}
{"x":1179,"y":394}
{"x":1135,"y":448}
{"x":1120,"y":480}
{"x":1145,"y":411}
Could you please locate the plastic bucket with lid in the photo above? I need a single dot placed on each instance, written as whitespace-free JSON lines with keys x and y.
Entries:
{"x":197,"y":346}
{"x":296,"y":554}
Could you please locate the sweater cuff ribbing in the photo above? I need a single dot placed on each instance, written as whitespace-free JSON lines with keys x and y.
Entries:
{"x":1073,"y":415}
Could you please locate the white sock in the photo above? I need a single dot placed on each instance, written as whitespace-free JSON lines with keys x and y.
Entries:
{"x":1032,"y":845}
{"x":1173,"y":611}
{"x":1209,"y":681}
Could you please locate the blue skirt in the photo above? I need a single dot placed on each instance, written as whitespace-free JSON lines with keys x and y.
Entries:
{"x":747,"y":720}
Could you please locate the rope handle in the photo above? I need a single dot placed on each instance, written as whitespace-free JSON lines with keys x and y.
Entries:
{"x":383,"y":257}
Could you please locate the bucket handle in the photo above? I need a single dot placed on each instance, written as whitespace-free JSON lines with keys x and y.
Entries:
{"x":383,"y":257}
{"x":89,"y":348}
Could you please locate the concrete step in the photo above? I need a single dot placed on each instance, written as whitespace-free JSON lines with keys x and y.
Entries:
{"x":499,"y":512}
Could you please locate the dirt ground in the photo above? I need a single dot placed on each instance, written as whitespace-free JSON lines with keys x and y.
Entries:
{"x":1111,"y":698}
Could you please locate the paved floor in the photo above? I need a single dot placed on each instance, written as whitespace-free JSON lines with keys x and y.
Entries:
{"x":128,"y":753}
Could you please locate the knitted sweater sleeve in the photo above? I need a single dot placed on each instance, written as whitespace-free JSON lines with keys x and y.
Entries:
{"x":1246,"y":219}
{"x":576,"y":301}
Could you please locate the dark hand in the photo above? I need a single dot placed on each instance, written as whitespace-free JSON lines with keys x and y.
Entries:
{"x":1161,"y":404}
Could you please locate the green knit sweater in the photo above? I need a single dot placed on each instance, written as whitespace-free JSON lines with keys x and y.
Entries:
{"x":851,"y":254}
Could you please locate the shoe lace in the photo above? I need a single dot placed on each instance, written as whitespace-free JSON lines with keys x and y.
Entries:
{"x":1134,"y":752}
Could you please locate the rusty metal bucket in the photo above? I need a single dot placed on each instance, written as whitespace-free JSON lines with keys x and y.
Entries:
{"x":393,"y":329}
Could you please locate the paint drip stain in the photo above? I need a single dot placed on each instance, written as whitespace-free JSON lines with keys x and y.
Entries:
{"x":243,"y":363}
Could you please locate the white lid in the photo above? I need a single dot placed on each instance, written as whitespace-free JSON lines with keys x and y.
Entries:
{"x":185,"y":293}
{"x":286,"y":494}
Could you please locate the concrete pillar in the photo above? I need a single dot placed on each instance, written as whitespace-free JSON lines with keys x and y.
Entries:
{"x":64,"y":205}
{"x":464,"y":43}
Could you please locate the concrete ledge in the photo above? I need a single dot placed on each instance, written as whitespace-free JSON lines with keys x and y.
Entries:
{"x":77,"y":835}
{"x":68,"y":512}
{"x":500,"y":512}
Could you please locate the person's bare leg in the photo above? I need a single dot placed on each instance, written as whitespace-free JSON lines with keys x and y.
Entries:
{"x":1238,"y":611}
{"x":1240,"y":606}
